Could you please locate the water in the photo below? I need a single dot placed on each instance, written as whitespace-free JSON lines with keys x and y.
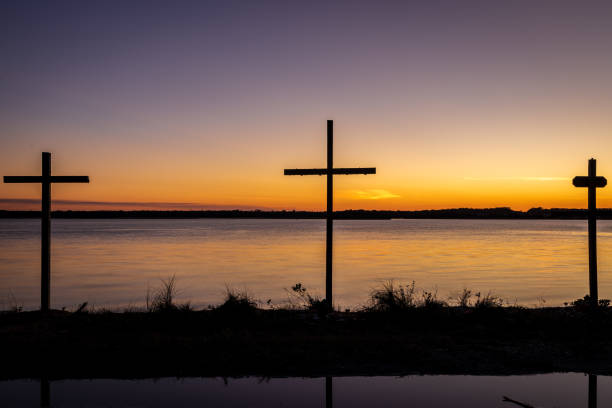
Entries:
{"x":111,"y":263}
{"x":544,"y":390}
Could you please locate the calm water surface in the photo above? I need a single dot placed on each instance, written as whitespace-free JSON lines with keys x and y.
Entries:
{"x":111,"y":263}
{"x":545,"y":390}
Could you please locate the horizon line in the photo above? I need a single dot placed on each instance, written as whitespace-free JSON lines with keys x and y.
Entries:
{"x":190,"y":206}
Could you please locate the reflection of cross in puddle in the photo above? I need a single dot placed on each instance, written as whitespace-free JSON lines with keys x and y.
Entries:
{"x":592,"y":391}
{"x":45,"y":395}
{"x":592,"y":396}
{"x":329,"y":398}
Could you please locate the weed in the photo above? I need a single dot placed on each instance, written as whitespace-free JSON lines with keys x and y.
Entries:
{"x":392,"y":298}
{"x":585,"y":303}
{"x":463,"y":298}
{"x":237,"y":302}
{"x":487,"y":301}
{"x":430,"y":300}
{"x":308,"y":301}
{"x":162,"y":299}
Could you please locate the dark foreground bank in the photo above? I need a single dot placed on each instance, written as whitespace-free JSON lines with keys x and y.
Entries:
{"x":448,"y":340}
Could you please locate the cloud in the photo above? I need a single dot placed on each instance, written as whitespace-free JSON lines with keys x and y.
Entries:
{"x":33,"y":203}
{"x":517,"y":178}
{"x":374,"y":194}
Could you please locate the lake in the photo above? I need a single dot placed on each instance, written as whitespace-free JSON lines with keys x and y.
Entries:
{"x":112,"y":263}
{"x":544,"y":390}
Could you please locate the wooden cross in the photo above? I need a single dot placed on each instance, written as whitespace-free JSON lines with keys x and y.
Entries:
{"x":592,"y":182}
{"x":329,"y":171}
{"x":45,"y":248}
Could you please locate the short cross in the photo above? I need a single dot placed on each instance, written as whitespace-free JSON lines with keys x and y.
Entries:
{"x":592,"y":182}
{"x":329,"y":171}
{"x":45,"y":248}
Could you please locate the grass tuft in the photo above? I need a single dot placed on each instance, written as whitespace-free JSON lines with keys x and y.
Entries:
{"x":306,"y":301}
{"x":585,"y":303}
{"x":430,"y":300}
{"x":392,"y":298}
{"x":487,"y":301}
{"x":162,"y":299}
{"x":237,"y":302}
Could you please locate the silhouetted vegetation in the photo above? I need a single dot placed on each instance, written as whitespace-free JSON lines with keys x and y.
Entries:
{"x":452,"y":213}
{"x":162,"y":298}
{"x":392,"y":297}
{"x":239,"y":338}
{"x":237,"y":302}
{"x":306,"y":301}
{"x":402,"y":330}
{"x":585,"y":303}
{"x":488,"y":300}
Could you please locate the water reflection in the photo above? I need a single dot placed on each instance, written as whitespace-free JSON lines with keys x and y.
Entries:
{"x":329,"y":395}
{"x":45,"y":392}
{"x":592,"y":395}
{"x":544,"y":390}
{"x":592,"y":391}
{"x":111,"y":263}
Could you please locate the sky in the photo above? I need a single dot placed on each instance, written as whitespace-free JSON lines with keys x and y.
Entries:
{"x":202,"y":104}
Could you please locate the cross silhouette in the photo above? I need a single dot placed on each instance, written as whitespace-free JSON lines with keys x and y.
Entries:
{"x":592,"y":182}
{"x":45,"y":247}
{"x":330,"y":171}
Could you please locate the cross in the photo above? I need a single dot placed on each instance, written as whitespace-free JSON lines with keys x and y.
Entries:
{"x":330,"y":171}
{"x":45,"y":247}
{"x":592,"y":182}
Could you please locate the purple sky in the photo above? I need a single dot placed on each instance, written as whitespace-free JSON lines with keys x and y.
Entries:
{"x":207,"y":101}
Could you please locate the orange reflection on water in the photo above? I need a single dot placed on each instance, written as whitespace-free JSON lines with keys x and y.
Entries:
{"x":112,"y":263}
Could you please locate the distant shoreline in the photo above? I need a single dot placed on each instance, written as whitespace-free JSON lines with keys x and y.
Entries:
{"x":504,"y":213}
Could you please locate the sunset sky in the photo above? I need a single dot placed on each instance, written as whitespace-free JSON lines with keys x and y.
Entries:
{"x":202,"y":104}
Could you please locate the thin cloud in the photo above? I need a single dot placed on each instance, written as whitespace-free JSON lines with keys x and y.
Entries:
{"x":517,"y":178}
{"x":374,"y":194}
{"x":29,"y":202}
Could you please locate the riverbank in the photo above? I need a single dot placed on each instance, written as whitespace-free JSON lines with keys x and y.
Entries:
{"x":221,"y":342}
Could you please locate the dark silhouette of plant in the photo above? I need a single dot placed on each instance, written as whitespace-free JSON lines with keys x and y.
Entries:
{"x":585,"y":303}
{"x":487,"y":301}
{"x":463,"y":298}
{"x":430,"y":300}
{"x":237,"y":302}
{"x":162,"y":299}
{"x":392,"y":298}
{"x":308,"y":301}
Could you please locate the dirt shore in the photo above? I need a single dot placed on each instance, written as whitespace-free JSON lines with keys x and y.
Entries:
{"x":448,"y":340}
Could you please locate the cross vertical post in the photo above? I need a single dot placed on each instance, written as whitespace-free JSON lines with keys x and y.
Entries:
{"x":45,"y":179}
{"x":329,"y":171}
{"x":592,"y":182}
{"x":45,"y":237}
{"x":592,"y":234}
{"x":330,"y":213}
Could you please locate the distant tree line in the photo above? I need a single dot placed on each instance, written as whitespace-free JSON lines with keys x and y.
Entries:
{"x":453,"y":213}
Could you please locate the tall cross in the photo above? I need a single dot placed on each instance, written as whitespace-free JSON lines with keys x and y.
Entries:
{"x":592,"y":182}
{"x":45,"y":247}
{"x":329,"y":171}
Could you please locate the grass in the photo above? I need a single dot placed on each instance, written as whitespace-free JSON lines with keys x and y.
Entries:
{"x":162,"y":299}
{"x":238,"y":338}
{"x":300,"y":296}
{"x":237,"y":302}
{"x":389,"y":297}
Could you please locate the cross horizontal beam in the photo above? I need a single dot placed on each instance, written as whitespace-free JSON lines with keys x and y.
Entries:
{"x":52,"y":179}
{"x":321,"y":172}
{"x":584,"y":181}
